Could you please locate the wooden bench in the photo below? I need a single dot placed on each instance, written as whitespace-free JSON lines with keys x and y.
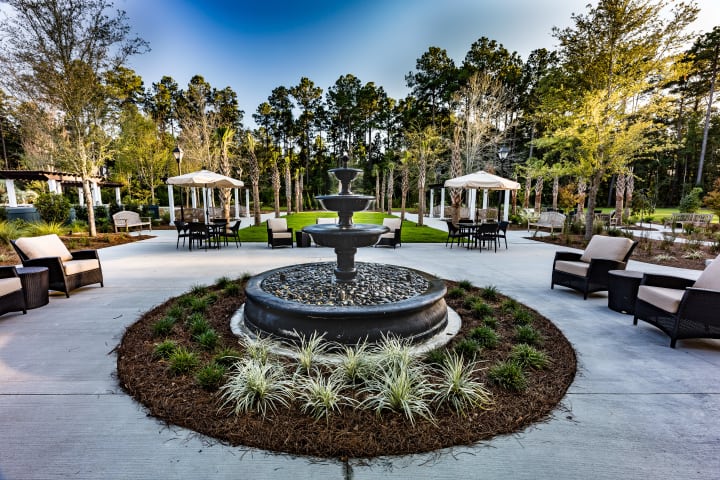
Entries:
{"x":128,"y":219}
{"x":549,"y":220}
{"x":682,"y":219}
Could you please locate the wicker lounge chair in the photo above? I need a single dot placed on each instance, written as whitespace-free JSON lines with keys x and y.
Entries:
{"x":587,"y":272}
{"x":279,"y":235}
{"x":393,"y":237}
{"x":67,"y":271}
{"x":11,"y":292}
{"x":680,"y":307}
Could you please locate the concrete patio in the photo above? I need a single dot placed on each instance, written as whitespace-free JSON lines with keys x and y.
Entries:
{"x":636,"y":410}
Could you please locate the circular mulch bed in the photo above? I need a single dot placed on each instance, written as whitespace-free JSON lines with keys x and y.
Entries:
{"x":179,"y":399}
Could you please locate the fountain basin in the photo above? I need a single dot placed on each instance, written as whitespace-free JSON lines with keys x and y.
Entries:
{"x":416,"y":318}
{"x":354,"y":236}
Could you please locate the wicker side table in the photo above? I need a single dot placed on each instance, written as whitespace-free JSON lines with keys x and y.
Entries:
{"x":622,"y":290}
{"x":36,"y":283}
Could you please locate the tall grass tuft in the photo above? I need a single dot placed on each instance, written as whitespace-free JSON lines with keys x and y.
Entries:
{"x":35,"y":229}
{"x":457,"y":388}
{"x":320,"y":396}
{"x":405,"y":391}
{"x":528,"y":356}
{"x":508,"y":375}
{"x":309,"y":350}
{"x":257,"y":387}
{"x":355,"y":364}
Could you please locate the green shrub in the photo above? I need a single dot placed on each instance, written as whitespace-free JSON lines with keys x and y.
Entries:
{"x":198,"y":290}
{"x":527,"y":334}
{"x":53,"y":208}
{"x":223,"y":282}
{"x":508,"y":375}
{"x":490,"y":321}
{"x":467,"y":347}
{"x":9,"y":231}
{"x":183,"y":361}
{"x":456,"y":292}
{"x":435,"y":357}
{"x":485,"y":337}
{"x":523,"y":317}
{"x":470,"y":301}
{"x":231,"y":289}
{"x":465,"y":285}
{"x":210,"y":377}
{"x":163,"y":327}
{"x":481,"y":309}
{"x":164,"y":349}
{"x":489,"y":292}
{"x":509,"y":305}
{"x":199,"y":305}
{"x":529,"y":357}
{"x":208,"y":339}
{"x":691,"y":202}
{"x":198,"y":325}
{"x":37,"y":229}
{"x":226,"y":356}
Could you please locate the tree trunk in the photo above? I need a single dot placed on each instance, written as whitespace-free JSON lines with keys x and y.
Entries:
{"x":256,"y":201}
{"x":390,"y":188}
{"x":528,"y":189}
{"x":706,"y":128}
{"x":92,"y":231}
{"x":619,"y":197}
{"x":592,"y":199}
{"x":582,"y":188}
{"x":382,"y":193}
{"x":538,"y":194}
{"x":629,"y":188}
{"x":555,"y":191}
{"x":288,"y":187}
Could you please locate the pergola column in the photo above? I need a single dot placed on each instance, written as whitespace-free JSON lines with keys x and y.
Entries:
{"x":171,"y":201}
{"x":12,"y":197}
{"x":442,"y":202}
{"x":81,"y":197}
{"x":236,"y":191}
{"x":432,"y":200}
{"x":247,"y":202}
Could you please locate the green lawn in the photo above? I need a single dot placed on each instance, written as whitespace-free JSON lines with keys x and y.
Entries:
{"x":661,"y":213}
{"x":411,"y":233}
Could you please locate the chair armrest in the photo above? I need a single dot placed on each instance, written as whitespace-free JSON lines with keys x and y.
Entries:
{"x":8,"y":272}
{"x":667,"y":281}
{"x":53,"y":264}
{"x":571,"y":256}
{"x":85,"y":255}
{"x":601,"y":267}
{"x":290,"y":230}
{"x":697,"y":302}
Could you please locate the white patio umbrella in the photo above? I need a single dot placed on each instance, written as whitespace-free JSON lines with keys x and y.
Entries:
{"x":485,"y":181}
{"x":206,"y":179}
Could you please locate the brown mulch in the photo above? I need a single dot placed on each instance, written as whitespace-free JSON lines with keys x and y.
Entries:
{"x":179,"y":400}
{"x":647,"y":250}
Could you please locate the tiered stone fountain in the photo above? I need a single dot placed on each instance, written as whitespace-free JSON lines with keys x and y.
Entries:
{"x":355,"y":303}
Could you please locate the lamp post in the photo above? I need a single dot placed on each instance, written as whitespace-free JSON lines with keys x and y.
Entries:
{"x":503,"y":153}
{"x":178,"y":154}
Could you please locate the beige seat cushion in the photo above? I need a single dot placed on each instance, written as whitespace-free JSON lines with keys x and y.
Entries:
{"x":710,"y":277}
{"x":76,"y":266}
{"x":277,"y":224}
{"x":667,"y":299}
{"x":9,"y":285}
{"x":576,"y":268}
{"x":609,"y":248}
{"x":44,"y":246}
{"x":392,"y":223}
{"x":281,"y":234}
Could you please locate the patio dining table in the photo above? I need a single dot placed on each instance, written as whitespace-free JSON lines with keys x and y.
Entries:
{"x":475,"y":232}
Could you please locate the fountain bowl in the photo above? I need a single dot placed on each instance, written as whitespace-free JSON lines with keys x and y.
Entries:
{"x":415,"y":319}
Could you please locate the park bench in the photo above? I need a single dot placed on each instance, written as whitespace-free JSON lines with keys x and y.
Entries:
{"x":682,"y":219}
{"x":128,"y":219}
{"x":549,"y":220}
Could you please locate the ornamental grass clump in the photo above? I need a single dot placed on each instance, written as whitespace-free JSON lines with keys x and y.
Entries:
{"x":470,"y":301}
{"x":528,"y":356}
{"x":465,"y":285}
{"x":164,"y":349}
{"x":257,"y":387}
{"x":481,"y":309}
{"x":468,"y":348}
{"x":509,"y":305}
{"x":456,"y":292}
{"x":197,"y":324}
{"x":320,"y":396}
{"x":355,"y":364}
{"x":527,"y":334}
{"x":508,"y":375}
{"x":182,"y":361}
{"x":457,"y":388}
{"x":393,"y":353}
{"x":522,"y":316}
{"x":436,"y":357}
{"x":486,"y":337}
{"x":211,"y":376}
{"x":163,"y":327}
{"x":309,"y":350}
{"x":226,"y":356}
{"x":489,"y":292}
{"x":403,"y":390}
{"x":259,"y":349}
{"x":208,"y":339}
{"x":490,"y":321}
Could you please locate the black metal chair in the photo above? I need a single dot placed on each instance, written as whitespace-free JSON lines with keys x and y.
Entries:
{"x":502,"y":232}
{"x":198,"y":233}
{"x":234,"y":233}
{"x":454,"y":234}
{"x":182,"y":232}
{"x":680,"y":307}
{"x":486,"y":233}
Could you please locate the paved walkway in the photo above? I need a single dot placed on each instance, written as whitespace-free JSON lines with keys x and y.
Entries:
{"x":636,"y":410}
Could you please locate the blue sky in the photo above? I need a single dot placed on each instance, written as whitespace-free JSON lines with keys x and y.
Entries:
{"x":254,"y":46}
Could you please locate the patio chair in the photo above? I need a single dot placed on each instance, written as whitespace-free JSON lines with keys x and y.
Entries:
{"x":198,"y":233}
{"x":486,"y":233}
{"x":587,"y":272}
{"x":234,"y":233}
{"x":502,"y":232}
{"x":182,"y":232}
{"x":11,"y":292}
{"x":67,"y":271}
{"x":454,"y":234}
{"x":680,"y":307}
{"x":279,"y":235}
{"x":393,"y":237}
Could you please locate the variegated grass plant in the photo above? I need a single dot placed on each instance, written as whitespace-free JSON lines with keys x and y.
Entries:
{"x":458,"y":389}
{"x":256,"y":386}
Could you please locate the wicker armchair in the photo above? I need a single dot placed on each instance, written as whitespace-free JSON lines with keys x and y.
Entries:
{"x":393,"y":237}
{"x":680,"y":307}
{"x":279,"y":235}
{"x":67,"y":271}
{"x":11,"y":292}
{"x":587,"y":272}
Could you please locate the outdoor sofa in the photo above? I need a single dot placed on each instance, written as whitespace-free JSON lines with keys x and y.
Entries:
{"x":11,"y":292}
